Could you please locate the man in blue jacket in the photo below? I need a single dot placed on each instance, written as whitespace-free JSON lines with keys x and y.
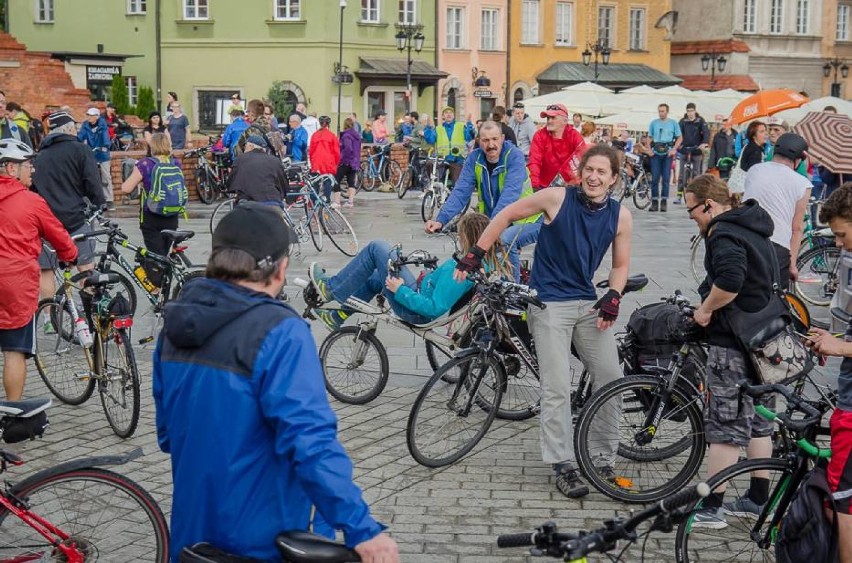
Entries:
{"x":498,"y":172}
{"x":94,"y":132}
{"x":242,"y":409}
{"x":232,"y":134}
{"x":297,"y":140}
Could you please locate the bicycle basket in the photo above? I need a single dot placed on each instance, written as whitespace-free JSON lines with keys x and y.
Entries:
{"x":19,"y":429}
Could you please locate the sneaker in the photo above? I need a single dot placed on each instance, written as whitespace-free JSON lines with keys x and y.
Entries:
{"x":664,"y":204}
{"x":320,"y":281}
{"x":654,"y":206}
{"x":743,"y":507}
{"x":569,"y":484}
{"x":710,"y":518}
{"x":334,"y":205}
{"x":678,"y":201}
{"x":110,"y":206}
{"x":348,"y":204}
{"x":332,"y":319}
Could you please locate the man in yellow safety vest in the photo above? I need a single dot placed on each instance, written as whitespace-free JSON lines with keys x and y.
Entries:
{"x":452,"y":140}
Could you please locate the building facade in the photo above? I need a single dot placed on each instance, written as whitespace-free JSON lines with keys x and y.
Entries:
{"x":837,"y":48}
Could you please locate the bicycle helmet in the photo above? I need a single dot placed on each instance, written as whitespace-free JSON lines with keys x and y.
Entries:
{"x":792,"y":146}
{"x":726,"y":163}
{"x":14,"y":151}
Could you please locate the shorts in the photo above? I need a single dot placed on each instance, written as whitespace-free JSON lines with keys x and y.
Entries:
{"x":729,"y":417}
{"x":839,"y":471}
{"x":85,"y":251}
{"x":19,"y":339}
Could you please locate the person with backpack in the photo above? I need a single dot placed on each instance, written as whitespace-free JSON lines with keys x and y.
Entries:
{"x":163,"y":198}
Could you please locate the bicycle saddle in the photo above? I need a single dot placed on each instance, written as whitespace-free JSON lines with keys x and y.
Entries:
{"x":177,"y":237}
{"x":25,"y":408}
{"x":98,"y":279}
{"x":635,"y":282}
{"x":304,"y":547}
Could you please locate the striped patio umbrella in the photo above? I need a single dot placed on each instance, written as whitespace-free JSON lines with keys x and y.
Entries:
{"x":828,"y":136}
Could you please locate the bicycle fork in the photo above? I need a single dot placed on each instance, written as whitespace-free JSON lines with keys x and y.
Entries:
{"x":362,"y":345}
{"x":660,"y":405}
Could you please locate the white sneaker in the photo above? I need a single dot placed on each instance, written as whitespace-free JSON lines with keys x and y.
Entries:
{"x":348,"y":204}
{"x":335,"y":205}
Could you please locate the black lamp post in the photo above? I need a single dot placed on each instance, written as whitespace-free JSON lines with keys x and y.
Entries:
{"x":601,"y":52}
{"x":713,"y":61}
{"x":338,"y":68}
{"x":836,"y":64}
{"x":409,"y":35}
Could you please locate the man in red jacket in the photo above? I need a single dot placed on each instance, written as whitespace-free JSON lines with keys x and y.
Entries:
{"x":26,"y":219}
{"x":324,"y":155}
{"x":552,"y":148}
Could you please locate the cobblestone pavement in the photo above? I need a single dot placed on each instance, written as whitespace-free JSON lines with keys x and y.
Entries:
{"x":445,"y":515}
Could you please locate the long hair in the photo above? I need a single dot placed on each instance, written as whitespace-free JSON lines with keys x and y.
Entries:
{"x":707,"y":186}
{"x":471,"y":226}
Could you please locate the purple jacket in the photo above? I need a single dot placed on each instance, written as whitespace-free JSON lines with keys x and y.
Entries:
{"x":350,"y":148}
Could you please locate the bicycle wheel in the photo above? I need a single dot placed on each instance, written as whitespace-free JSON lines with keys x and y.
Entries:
{"x":369,"y":179}
{"x":118,"y":384}
{"x":733,"y":540}
{"x":392,"y":173}
{"x":801,"y":315}
{"x":179,"y":284}
{"x":225,"y":207}
{"x":427,"y":205}
{"x":696,"y":260}
{"x":354,"y":364}
{"x":817,"y":280}
{"x":404,"y":183}
{"x":649,"y":463}
{"x":522,"y":395}
{"x":449,"y":419}
{"x":60,"y":360}
{"x":619,"y":189}
{"x":205,"y":185}
{"x":339,"y":231}
{"x":642,"y":193}
{"x":124,"y":287}
{"x":108,"y":516}
{"x":312,"y":224}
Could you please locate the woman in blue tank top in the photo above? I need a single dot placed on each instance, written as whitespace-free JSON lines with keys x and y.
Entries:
{"x":580,"y":224}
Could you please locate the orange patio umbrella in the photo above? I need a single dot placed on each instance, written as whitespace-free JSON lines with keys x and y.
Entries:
{"x":767,"y":102}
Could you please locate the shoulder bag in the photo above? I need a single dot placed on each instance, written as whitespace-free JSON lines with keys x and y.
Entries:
{"x":736,"y":181}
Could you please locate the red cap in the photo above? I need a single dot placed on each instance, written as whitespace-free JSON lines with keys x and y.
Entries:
{"x":555,"y":109}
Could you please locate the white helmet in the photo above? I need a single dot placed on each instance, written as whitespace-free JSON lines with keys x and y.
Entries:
{"x":14,"y":151}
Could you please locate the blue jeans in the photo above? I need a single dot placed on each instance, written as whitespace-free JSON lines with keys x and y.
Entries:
{"x":527,"y":234}
{"x":364,"y":278}
{"x":661,"y":167}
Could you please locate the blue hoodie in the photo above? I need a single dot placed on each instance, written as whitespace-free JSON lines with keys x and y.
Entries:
{"x":242,"y":409}
{"x":97,"y":137}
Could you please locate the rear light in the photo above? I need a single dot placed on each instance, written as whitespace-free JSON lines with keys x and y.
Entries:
{"x":125,"y":322}
{"x":179,"y":249}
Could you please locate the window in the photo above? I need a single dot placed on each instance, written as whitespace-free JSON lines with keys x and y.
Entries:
{"x":287,"y":9}
{"x":489,"y":30}
{"x":637,"y":29}
{"x":455,"y":27}
{"x":564,"y":23}
{"x":451,"y":99}
{"x":606,"y":19}
{"x":407,"y":11}
{"x":44,"y":11}
{"x":195,"y":10}
{"x":776,"y":16}
{"x":842,"y":33}
{"x":370,"y":11}
{"x":137,"y":6}
{"x":132,"y":90}
{"x":802,"y":15}
{"x":749,"y":16}
{"x":529,"y":22}
{"x":518,"y":96}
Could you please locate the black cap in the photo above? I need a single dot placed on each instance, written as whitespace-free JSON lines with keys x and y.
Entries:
{"x":324,"y":120}
{"x":792,"y":146}
{"x":257,"y":229}
{"x":519,"y":105}
{"x":58,"y":119}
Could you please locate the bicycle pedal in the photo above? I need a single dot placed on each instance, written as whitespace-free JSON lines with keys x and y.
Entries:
{"x":146,"y":340}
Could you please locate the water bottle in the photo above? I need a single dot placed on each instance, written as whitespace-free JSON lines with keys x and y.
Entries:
{"x":142,"y":276}
{"x":81,"y":330}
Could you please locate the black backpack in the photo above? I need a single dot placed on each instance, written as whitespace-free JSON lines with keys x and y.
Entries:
{"x":805,"y":534}
{"x":656,"y":332}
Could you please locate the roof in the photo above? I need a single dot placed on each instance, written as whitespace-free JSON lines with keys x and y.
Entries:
{"x":614,"y":75}
{"x":420,"y":70}
{"x":741,"y":82}
{"x":718,"y":46}
{"x":65,"y":55}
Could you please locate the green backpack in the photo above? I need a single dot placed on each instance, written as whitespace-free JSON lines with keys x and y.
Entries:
{"x":168,"y":194}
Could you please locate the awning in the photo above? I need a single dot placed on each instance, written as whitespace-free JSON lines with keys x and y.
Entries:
{"x":616,"y":76}
{"x":380,"y":72}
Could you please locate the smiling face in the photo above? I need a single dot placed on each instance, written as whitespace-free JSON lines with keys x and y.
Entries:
{"x":597,"y":177}
{"x":448,"y":116}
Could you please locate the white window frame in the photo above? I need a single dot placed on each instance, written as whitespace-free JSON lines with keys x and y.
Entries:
{"x":455,"y":27}
{"x":749,"y":16}
{"x":564,"y":24}
{"x":490,"y":29}
{"x":137,"y":7}
{"x":192,"y":9}
{"x":803,"y":17}
{"x":530,"y":22}
{"x":132,"y":90}
{"x":776,"y":17}
{"x":292,"y":10}
{"x":610,"y":36}
{"x":843,"y":16}
{"x":637,"y":36}
{"x":408,"y":11}
{"x":44,"y":11}
{"x":371,"y":11}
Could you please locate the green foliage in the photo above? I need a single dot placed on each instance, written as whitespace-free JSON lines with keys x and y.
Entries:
{"x":284,"y":101}
{"x":119,"y":95}
{"x":145,"y":103}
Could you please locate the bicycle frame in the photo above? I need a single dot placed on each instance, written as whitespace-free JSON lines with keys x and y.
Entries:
{"x":45,"y":529}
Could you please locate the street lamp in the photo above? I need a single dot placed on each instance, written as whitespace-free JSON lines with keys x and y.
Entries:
{"x":712,"y":61}
{"x":409,"y":35}
{"x":339,"y":68}
{"x":601,"y":52}
{"x":836,"y":64}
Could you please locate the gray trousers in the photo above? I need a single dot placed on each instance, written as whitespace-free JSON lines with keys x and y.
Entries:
{"x":554,"y":329}
{"x":106,"y":180}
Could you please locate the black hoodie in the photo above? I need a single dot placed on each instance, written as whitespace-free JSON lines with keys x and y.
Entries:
{"x":738,"y":259}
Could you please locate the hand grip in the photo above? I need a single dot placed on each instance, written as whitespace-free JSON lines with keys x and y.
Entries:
{"x":516,"y":540}
{"x":685,"y":497}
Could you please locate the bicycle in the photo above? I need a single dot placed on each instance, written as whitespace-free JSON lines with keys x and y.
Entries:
{"x":634,"y":182}
{"x":757,"y":536}
{"x":378,"y":168}
{"x":437,"y":189}
{"x":75,"y":511}
{"x":688,"y":172}
{"x":211,"y":175}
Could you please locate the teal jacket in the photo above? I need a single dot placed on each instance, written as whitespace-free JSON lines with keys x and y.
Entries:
{"x":438,"y":292}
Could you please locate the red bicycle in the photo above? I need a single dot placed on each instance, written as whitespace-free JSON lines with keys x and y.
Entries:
{"x":75,"y":512}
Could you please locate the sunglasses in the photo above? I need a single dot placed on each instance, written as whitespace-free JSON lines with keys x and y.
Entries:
{"x":555,"y":108}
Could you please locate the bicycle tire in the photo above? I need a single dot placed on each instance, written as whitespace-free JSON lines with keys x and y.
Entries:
{"x":404,"y":183}
{"x":120,"y":392}
{"x":341,"y":381}
{"x":823,"y":264}
{"x":427,"y":205}
{"x":696,"y":259}
{"x":179,"y":284}
{"x":222,"y":209}
{"x":800,"y":312}
{"x":619,"y":189}
{"x":84,"y":503}
{"x":521,"y":398}
{"x":689,"y":539}
{"x":392,"y":174}
{"x":659,"y":471}
{"x":442,"y":400}
{"x":642,"y":193}
{"x":339,"y":230}
{"x":312,"y":224}
{"x":60,"y":360}
{"x":204,"y":185}
{"x":369,"y":180}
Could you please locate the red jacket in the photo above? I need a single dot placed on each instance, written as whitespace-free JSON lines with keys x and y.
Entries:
{"x":324,"y":152}
{"x":26,"y":220}
{"x":549,"y":156}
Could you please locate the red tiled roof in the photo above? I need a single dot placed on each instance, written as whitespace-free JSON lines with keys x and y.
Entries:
{"x":721,"y":46}
{"x":741,"y":82}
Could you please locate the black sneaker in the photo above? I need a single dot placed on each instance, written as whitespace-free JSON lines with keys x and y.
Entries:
{"x":664,"y":204}
{"x":654,"y":206}
{"x":569,"y":484}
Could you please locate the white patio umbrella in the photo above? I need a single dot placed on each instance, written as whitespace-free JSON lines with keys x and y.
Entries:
{"x":709,"y":108}
{"x":793,"y":116}
{"x":630,"y":120}
{"x":585,"y":98}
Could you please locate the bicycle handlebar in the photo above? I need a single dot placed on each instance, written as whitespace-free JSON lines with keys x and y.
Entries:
{"x":812,"y":414}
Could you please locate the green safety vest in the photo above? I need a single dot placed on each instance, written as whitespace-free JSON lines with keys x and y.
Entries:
{"x":444,"y":144}
{"x":501,"y":178}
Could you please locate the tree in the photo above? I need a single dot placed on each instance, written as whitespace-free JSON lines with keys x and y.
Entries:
{"x":145,"y":104}
{"x":120,"y":96}
{"x":283,"y":100}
